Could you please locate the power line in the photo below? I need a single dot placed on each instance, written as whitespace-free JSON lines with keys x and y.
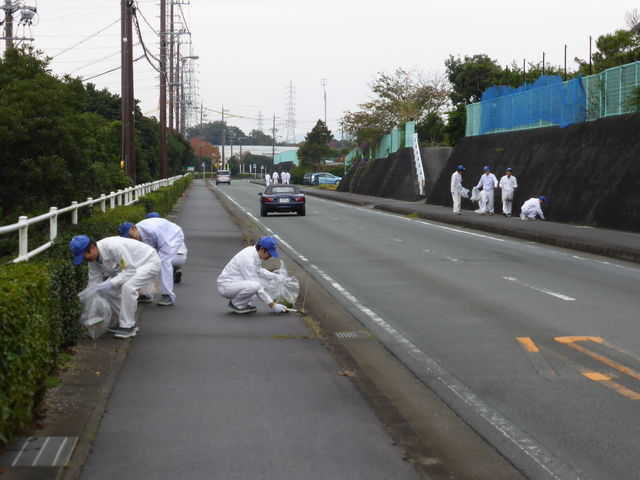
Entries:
{"x":86,"y":39}
{"x":84,"y":79}
{"x":144,"y":47}
{"x":145,"y":19}
{"x":99,"y":60}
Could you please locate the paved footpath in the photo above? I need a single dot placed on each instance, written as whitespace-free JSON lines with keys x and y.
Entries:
{"x":204,"y":394}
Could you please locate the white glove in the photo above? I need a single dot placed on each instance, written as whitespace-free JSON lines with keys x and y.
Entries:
{"x":277,"y":308}
{"x":105,"y":286}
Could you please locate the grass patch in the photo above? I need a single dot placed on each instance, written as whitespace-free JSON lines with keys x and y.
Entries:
{"x":413,"y":215}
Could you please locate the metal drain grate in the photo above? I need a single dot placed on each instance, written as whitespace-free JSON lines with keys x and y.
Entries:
{"x":346,"y":334}
{"x":39,"y":452}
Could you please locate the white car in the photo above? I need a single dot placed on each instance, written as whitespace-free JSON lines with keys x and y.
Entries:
{"x":223,"y":176}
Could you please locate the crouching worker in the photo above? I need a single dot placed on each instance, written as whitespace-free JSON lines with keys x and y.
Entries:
{"x":167,"y":239}
{"x":533,"y":207}
{"x":243,"y":278}
{"x":128,"y":265}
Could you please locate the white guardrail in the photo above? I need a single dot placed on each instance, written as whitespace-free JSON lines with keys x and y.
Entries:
{"x":116,"y":199}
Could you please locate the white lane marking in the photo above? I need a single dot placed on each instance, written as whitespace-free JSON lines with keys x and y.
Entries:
{"x":451,"y":259}
{"x":15,"y":460}
{"x":288,"y":245}
{"x":397,"y":240}
{"x":543,"y":290}
{"x":335,"y":219}
{"x":55,"y":460}
{"x":42,"y":448}
{"x":526,"y":444}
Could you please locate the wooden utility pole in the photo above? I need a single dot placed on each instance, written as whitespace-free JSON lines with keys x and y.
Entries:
{"x":163,"y":89}
{"x":8,"y":23}
{"x":171,"y":73}
{"x":178,"y":81}
{"x":128,"y":106}
{"x":224,"y":129}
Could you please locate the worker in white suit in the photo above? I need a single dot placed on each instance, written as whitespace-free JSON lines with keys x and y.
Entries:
{"x":533,"y":207}
{"x":267,"y":179}
{"x":242,"y":280}
{"x":276,"y":177}
{"x":167,"y":239}
{"x":127,"y":265}
{"x":456,"y":189}
{"x":286,"y":176}
{"x":508,"y":185}
{"x":488,"y":182}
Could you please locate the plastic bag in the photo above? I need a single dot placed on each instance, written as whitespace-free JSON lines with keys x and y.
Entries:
{"x":96,"y":311}
{"x":283,"y":291}
{"x":464,"y":193}
{"x":475,"y":194}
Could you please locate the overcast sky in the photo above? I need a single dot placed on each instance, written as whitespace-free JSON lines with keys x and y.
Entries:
{"x":251,"y":49}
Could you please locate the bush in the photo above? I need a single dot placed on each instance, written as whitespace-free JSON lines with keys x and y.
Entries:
{"x":25,"y":335}
{"x":39,"y":308}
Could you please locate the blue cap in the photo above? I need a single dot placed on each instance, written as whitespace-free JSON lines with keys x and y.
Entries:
{"x":124,"y":228}
{"x":509,"y":169}
{"x":486,"y":168}
{"x":461,"y":168}
{"x":78,"y":245}
{"x":270,"y":244}
{"x":153,"y":215}
{"x":543,"y":198}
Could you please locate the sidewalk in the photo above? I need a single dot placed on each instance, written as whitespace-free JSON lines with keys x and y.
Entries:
{"x":206,"y":394}
{"x":599,"y":241}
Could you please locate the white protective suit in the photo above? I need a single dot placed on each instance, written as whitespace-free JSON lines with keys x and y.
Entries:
{"x":286,"y":176}
{"x":488,"y":182}
{"x":167,"y":239}
{"x":508,"y":185}
{"x":276,"y":177}
{"x":456,"y":191}
{"x":267,"y":179}
{"x":129,"y":265}
{"x":243,"y":278}
{"x":530,"y":209}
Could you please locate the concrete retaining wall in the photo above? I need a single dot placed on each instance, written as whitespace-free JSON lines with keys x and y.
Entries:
{"x":589,"y":171}
{"x":395,"y":176}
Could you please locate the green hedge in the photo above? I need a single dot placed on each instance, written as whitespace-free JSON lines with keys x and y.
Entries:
{"x":39,"y":307}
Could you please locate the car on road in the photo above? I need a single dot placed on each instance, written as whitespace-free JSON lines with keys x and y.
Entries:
{"x":307,"y":178}
{"x":282,"y":198}
{"x":223,"y":176}
{"x":324,"y":178}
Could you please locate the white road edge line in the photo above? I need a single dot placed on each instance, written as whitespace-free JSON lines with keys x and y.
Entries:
{"x":42,"y":448}
{"x":15,"y":460}
{"x":542,"y":290}
{"x":64,"y":442}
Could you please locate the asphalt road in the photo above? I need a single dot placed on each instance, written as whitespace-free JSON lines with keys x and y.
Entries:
{"x":535,"y":347}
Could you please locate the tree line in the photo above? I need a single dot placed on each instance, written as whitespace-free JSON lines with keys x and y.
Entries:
{"x":61,"y":139}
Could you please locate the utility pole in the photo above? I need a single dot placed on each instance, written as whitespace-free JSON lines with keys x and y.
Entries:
{"x":323,"y":82}
{"x":171,"y":73}
{"x":9,"y":10}
{"x":163,"y":88}
{"x":590,"y":64}
{"x":273,"y":143}
{"x":565,"y":63}
{"x":127,"y":105}
{"x":223,"y":139}
{"x":543,"y":63}
{"x":177,"y":86}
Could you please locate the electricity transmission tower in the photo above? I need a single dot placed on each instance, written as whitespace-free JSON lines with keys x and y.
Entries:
{"x":260,"y":121}
{"x":290,"y":116}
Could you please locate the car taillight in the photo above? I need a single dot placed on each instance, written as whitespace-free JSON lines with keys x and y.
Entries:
{"x":299,"y":199}
{"x":267,"y":199}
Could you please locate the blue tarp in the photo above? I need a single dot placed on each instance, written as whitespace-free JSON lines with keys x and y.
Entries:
{"x":547,"y":101}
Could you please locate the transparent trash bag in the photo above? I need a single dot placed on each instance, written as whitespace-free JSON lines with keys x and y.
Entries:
{"x":96,"y":311}
{"x":284,"y":291}
{"x":475,"y":194}
{"x":464,"y":193}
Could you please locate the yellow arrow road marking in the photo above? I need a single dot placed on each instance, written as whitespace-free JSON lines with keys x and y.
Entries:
{"x":528,"y":344}
{"x":606,"y":381}
{"x":601,"y":358}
